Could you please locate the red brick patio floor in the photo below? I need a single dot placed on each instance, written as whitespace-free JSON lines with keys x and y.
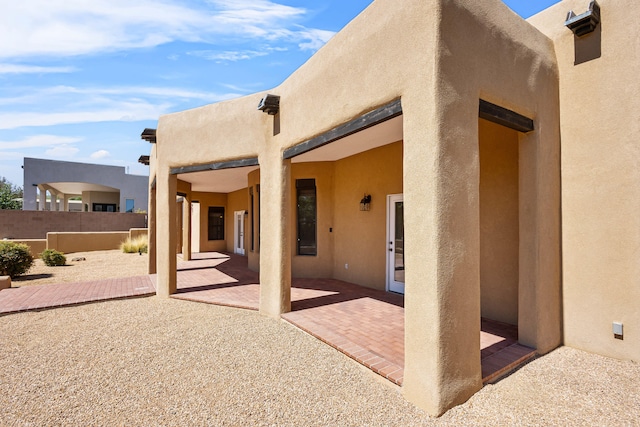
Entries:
{"x":365,"y":324}
{"x":39,"y":297}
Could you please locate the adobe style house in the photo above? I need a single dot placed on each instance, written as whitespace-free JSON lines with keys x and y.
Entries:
{"x":102,"y":188}
{"x":483,"y":165}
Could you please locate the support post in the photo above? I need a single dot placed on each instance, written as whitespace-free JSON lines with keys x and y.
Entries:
{"x":152,"y":230}
{"x":275,"y":239}
{"x":167,"y":234}
{"x":186,"y":227}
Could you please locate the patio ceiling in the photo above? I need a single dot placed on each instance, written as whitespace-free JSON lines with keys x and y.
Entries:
{"x":233,"y":179}
{"x":77,"y":188}
{"x":218,"y":181}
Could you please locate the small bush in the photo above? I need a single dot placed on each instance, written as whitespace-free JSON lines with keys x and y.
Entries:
{"x":15,"y":259}
{"x":53,"y":258}
{"x":138,"y":245}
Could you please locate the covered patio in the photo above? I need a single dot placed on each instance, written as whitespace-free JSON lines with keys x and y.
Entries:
{"x":364,"y":324}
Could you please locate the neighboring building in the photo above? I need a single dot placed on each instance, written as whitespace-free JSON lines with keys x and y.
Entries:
{"x":501,"y":158}
{"x":100,"y":188}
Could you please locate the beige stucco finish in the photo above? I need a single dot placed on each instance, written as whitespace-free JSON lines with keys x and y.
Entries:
{"x":540,"y":229}
{"x":600,"y":104}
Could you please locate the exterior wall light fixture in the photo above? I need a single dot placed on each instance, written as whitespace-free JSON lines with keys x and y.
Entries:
{"x":365,"y":203}
{"x":585,"y":23}
{"x":270,"y":104}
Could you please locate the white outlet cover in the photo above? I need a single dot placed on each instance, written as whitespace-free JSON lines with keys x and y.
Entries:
{"x":617,"y":328}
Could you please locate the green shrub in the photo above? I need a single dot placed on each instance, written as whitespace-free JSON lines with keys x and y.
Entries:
{"x":53,"y":258}
{"x":15,"y":259}
{"x":138,"y":245}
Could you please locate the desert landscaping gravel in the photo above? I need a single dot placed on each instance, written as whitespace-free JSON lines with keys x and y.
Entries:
{"x":154,"y":361}
{"x":95,"y":265}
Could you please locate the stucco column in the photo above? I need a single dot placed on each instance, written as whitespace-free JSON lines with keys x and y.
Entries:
{"x":275,"y":239}
{"x":152,"y":229}
{"x":442,"y":290}
{"x":539,"y":293}
{"x":65,"y":205}
{"x":42,"y":202}
{"x":166,"y":186}
{"x":186,"y":227}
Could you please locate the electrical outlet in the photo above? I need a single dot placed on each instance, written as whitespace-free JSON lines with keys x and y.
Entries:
{"x":617,"y":330}
{"x":346,"y":266}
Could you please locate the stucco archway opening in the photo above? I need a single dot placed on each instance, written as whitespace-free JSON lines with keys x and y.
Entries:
{"x":334,"y":238}
{"x":340,"y":263}
{"x":500,"y":229}
{"x":216,"y":207}
{"x":78,"y":196}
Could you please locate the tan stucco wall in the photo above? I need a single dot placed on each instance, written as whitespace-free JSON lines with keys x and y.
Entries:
{"x":137,"y":232}
{"x":320,"y":265}
{"x":421,"y":53}
{"x":441,"y":167}
{"x":600,"y":101}
{"x":206,"y":200}
{"x":36,"y":246}
{"x":499,"y":222}
{"x":360,"y":236}
{"x":86,"y":242}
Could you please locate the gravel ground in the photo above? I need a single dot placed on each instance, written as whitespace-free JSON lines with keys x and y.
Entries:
{"x":168,"y":362}
{"x":97,"y":265}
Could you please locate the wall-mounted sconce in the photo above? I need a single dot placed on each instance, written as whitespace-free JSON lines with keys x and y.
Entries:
{"x":365,"y":203}
{"x":584,"y":23}
{"x":270,"y":104}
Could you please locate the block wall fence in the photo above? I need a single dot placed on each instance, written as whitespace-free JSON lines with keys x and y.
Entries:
{"x":21,"y":225}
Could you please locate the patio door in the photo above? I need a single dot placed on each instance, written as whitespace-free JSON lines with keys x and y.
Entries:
{"x":395,"y":243}
{"x":238,"y":245}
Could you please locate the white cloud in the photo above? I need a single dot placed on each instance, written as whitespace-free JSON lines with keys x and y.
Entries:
{"x":230,"y":56}
{"x":33,"y":69}
{"x":116,"y":111}
{"x":314,"y":39}
{"x":38,"y":141}
{"x":76,"y":27}
{"x":67,"y":95}
{"x":67,"y":104}
{"x":62,"y":151}
{"x":100,"y":154}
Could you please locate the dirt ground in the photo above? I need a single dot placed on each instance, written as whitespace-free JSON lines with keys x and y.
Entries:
{"x":96,"y":265}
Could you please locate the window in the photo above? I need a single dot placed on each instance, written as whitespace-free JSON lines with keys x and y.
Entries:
{"x":216,"y":223}
{"x":306,"y":209}
{"x":104,"y":207}
{"x":129,"y":204}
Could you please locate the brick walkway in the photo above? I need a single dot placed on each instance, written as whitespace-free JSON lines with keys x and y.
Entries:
{"x":38,"y":297}
{"x":365,"y":324}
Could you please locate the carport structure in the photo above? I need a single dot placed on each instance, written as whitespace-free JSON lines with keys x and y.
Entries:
{"x":457,"y":147}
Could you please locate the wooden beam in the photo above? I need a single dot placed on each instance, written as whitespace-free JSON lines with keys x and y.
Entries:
{"x":504,"y":117}
{"x":252,"y":161}
{"x":372,"y":118}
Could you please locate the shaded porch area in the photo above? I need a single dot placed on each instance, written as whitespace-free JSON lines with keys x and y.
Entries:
{"x":364,"y":324}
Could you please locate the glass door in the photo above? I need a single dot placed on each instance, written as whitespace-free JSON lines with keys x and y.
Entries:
{"x":395,"y":243}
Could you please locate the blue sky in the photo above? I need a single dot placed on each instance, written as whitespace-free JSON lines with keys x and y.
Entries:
{"x":81,"y":79}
